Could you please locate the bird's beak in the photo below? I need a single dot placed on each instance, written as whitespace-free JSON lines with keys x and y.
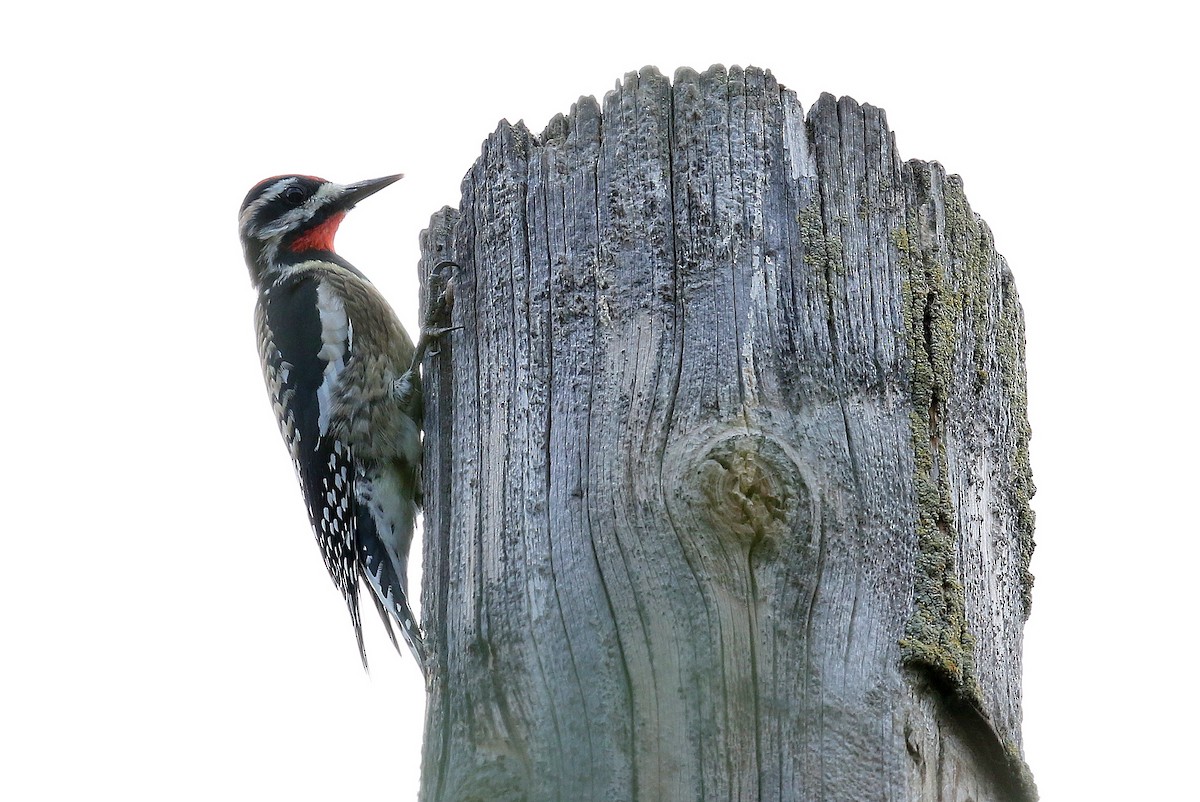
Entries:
{"x":353,"y":193}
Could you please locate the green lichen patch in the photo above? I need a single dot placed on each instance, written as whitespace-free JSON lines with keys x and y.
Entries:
{"x":991,"y":324}
{"x":1011,"y":342}
{"x":821,"y":251}
{"x":936,"y":636}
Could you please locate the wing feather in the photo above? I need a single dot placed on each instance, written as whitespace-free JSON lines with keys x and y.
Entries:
{"x":304,"y":339}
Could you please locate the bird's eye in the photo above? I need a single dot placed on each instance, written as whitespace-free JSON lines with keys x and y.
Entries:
{"x":294,"y":196}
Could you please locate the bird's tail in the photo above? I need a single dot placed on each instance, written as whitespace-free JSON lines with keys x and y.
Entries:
{"x":351,"y":594}
{"x":389,"y":592}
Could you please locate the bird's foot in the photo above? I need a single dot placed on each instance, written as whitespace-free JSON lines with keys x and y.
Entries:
{"x":437,"y":315}
{"x":441,"y":289}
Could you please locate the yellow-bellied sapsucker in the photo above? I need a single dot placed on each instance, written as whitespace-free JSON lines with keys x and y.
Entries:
{"x":343,"y":381}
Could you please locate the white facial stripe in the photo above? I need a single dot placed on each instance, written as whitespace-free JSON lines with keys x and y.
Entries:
{"x":325,"y":193}
{"x":277,"y":189}
{"x":271,"y":194}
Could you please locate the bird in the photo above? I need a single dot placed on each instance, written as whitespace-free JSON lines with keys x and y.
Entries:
{"x":343,"y":379}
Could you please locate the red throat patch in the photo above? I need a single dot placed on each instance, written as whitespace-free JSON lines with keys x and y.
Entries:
{"x":319,"y":237}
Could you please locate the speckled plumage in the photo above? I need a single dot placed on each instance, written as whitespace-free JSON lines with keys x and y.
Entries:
{"x":334,"y":355}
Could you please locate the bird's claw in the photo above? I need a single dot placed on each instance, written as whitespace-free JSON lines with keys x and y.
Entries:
{"x":438,"y":313}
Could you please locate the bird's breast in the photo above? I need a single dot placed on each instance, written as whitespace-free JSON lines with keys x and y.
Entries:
{"x":366,"y":413}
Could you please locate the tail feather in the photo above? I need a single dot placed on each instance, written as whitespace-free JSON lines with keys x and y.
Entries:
{"x":388,"y":588}
{"x":383,"y":612}
{"x":356,"y":620}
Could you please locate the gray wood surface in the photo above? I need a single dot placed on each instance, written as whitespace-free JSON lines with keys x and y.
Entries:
{"x":727,"y":474}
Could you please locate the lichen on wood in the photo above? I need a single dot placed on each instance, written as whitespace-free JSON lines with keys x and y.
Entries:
{"x":727,"y":469}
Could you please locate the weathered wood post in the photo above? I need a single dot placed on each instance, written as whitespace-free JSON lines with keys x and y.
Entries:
{"x":727,"y":468}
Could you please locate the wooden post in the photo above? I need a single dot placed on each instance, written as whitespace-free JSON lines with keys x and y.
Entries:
{"x":727,"y":471}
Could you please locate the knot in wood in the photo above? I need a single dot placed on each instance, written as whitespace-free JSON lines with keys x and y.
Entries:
{"x":744,"y":484}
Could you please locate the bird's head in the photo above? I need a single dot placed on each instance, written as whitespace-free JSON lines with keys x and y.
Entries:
{"x":290,"y":215}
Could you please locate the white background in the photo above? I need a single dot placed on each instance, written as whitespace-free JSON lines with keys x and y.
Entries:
{"x":166,"y":626}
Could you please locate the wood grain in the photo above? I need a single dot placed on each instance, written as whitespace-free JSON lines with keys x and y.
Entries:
{"x":727,"y":471}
